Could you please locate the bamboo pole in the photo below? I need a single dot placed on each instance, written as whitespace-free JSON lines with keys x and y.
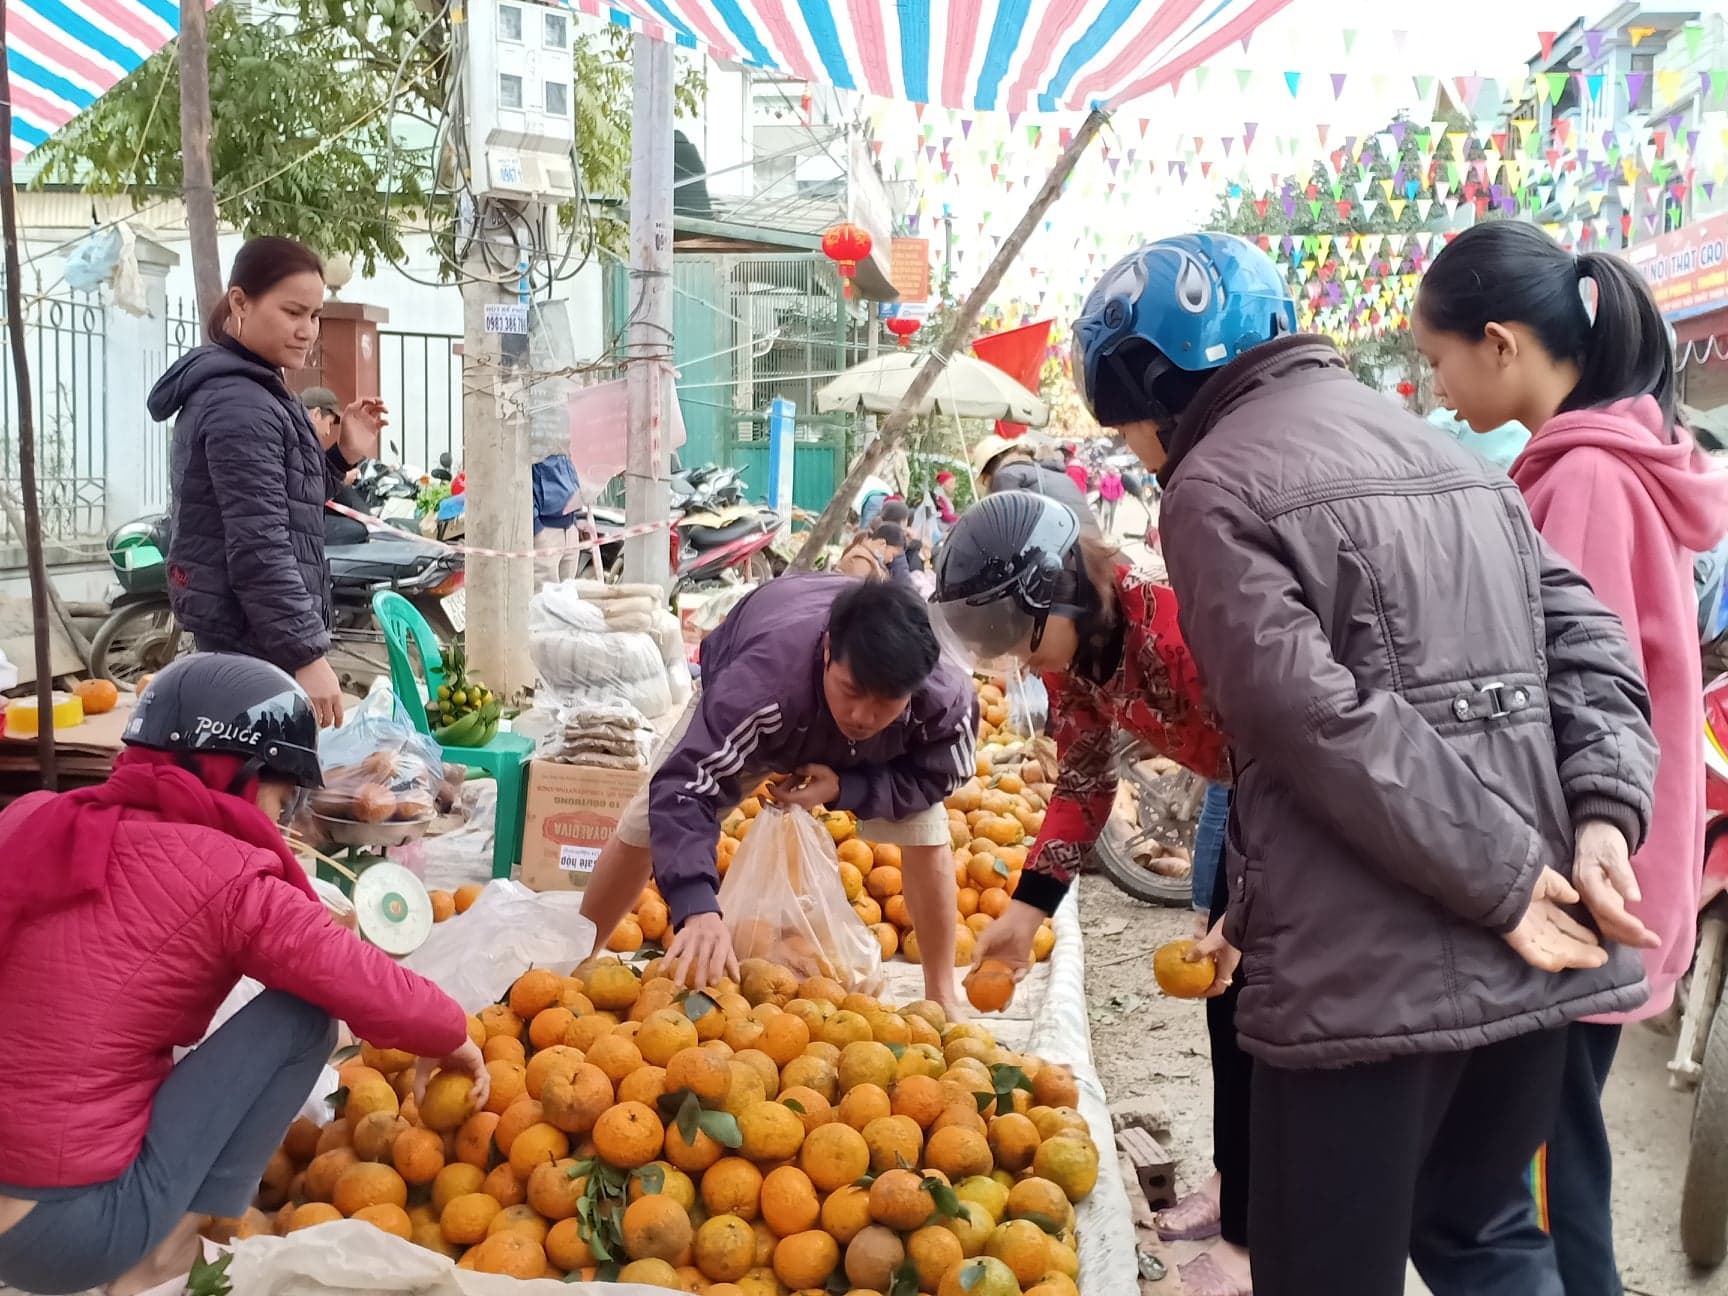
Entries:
{"x":47,"y":756}
{"x":894,"y":426}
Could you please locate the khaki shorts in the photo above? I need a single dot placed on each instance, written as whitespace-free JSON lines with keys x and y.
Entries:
{"x":926,"y":828}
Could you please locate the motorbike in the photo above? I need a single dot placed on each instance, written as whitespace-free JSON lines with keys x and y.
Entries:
{"x":1700,"y":1059}
{"x":140,"y":634}
{"x":719,"y":536}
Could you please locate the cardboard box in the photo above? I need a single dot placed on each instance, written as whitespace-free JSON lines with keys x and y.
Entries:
{"x":571,"y":812}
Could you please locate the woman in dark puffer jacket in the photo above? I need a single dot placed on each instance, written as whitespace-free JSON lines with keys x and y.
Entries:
{"x":250,"y":475}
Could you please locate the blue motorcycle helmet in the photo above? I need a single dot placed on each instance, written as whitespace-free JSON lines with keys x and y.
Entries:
{"x":1162,"y":318}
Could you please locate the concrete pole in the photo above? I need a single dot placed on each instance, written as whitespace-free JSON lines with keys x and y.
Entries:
{"x":649,"y":291}
{"x":496,"y":457}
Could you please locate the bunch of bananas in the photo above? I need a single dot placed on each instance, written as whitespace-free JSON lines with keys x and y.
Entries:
{"x":466,"y":712}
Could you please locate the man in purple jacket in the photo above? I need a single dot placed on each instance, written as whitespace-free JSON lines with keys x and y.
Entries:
{"x":838,"y":683}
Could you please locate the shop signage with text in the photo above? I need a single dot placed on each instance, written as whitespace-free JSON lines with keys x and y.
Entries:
{"x":1687,"y":269}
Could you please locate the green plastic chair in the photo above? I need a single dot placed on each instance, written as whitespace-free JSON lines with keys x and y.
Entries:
{"x":504,"y":758}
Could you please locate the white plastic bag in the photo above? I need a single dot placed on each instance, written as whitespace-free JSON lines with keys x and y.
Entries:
{"x":352,"y":1258}
{"x":783,"y":901}
{"x":475,"y":957}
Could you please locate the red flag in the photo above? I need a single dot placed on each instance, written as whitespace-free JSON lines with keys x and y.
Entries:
{"x":1019,"y":353}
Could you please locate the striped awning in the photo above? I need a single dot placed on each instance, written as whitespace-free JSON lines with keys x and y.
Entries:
{"x":1009,"y":55}
{"x":65,"y":53}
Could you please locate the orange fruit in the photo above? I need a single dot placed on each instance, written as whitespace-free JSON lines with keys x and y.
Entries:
{"x":368,"y":1184}
{"x":505,"y":1186}
{"x":812,"y":1108}
{"x":519,"y":1219}
{"x":466,"y":1219}
{"x":872,"y":1257}
{"x":99,"y":696}
{"x":1071,"y":1163}
{"x":467,"y":895}
{"x":1054,"y":1086}
{"x":732,"y":1186}
{"x":501,"y":1019}
{"x":702,"y":1072}
{"x":858,"y":854}
{"x":771,"y":1132}
{"x":612,"y":987}
{"x":784,"y":1037}
{"x":789,"y":1202}
{"x":650,"y":1273}
{"x":1014,"y":1142}
{"x":389,"y":1217}
{"x":574,"y":1102}
{"x":990,"y":986}
{"x":418,"y":1155}
{"x":504,"y":1048}
{"x":453,"y":1181}
{"x":834,"y":1155}
{"x":644,"y":1085}
{"x":549,"y":1026}
{"x":553,"y":1193}
{"x":509,"y":1083}
{"x":933,"y":1251}
{"x":883,"y":882}
{"x":657,"y":1228}
{"x":665,"y":1034}
{"x":846,"y":1213}
{"x":534,"y":991}
{"x":1179,"y":978}
{"x":474,"y":1140}
{"x":566,"y":1248}
{"x":863,"y":1104}
{"x":626,"y":937}
{"x":806,"y":1260}
{"x":958,"y":1152}
{"x":885,"y":855}
{"x":312,"y":1213}
{"x":724,"y":1248}
{"x":522,"y":1113}
{"x":538,"y":1145}
{"x":325,"y":1170}
{"x":1036,"y":1196}
{"x":1023,"y":1247}
{"x":511,"y":1253}
{"x":559,"y":1059}
{"x":893,"y":1141}
{"x":629,"y":1135}
{"x":443,"y":905}
{"x":899,"y":1200}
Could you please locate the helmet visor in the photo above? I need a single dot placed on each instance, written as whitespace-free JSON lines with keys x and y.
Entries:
{"x":1077,"y":367}
{"x":985,"y":637}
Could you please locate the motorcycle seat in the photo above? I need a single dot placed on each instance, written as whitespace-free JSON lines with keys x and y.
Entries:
{"x":706,"y":537}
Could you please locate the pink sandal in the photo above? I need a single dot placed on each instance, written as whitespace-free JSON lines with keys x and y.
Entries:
{"x":1193,"y":1218}
{"x":1201,"y":1276}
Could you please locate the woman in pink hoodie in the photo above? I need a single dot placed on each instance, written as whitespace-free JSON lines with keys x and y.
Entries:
{"x":1618,"y":487}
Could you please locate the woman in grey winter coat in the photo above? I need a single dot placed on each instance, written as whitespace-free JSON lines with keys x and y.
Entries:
{"x":250,"y":475}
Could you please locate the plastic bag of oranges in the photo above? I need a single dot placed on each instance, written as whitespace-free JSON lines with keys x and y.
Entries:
{"x":783,"y":901}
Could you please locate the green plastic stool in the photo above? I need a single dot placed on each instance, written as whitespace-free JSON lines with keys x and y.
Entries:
{"x":504,"y":758}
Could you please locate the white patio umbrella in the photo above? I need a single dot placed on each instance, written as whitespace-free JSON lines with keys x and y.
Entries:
{"x":968,"y":388}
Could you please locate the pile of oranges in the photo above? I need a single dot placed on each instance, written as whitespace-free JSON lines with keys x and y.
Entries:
{"x":762,"y":1138}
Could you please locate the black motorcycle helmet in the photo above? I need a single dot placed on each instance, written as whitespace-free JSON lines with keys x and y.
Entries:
{"x":1006,"y":565}
{"x":223,"y":703}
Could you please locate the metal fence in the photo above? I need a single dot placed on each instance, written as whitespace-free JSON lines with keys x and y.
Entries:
{"x":66,"y":342}
{"x":420,"y":376}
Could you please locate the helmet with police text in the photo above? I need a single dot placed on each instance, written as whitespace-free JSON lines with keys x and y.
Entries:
{"x":1181,"y":306}
{"x":227,"y":704}
{"x":1000,"y":574}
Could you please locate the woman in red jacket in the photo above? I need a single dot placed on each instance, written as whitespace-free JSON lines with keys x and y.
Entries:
{"x":128,"y":912}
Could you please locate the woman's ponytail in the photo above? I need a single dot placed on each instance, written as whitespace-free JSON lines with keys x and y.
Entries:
{"x":1510,"y":272}
{"x":1627,"y":351}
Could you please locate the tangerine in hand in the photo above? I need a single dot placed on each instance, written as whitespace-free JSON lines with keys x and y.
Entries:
{"x":990,"y":985}
{"x":1179,"y":978}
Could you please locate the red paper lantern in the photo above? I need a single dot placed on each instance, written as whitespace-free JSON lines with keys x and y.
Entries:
{"x":846,"y":245}
{"x":903,"y":327}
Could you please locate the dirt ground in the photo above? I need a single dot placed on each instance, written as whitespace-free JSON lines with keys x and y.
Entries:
{"x":1145,"y":1044}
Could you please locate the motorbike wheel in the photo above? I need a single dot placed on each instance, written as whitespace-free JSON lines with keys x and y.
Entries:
{"x":137,"y":640}
{"x":759,"y":569}
{"x":1704,"y":1198}
{"x":1116,"y":862}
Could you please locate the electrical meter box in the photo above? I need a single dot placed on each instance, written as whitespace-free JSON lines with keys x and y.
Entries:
{"x":521,"y":100}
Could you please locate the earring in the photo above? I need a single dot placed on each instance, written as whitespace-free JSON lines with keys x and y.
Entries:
{"x":239,"y":327}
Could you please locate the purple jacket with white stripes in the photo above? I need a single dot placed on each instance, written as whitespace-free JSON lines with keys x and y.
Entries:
{"x":762,"y":710}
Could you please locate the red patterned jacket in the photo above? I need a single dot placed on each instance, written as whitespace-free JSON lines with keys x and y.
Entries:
{"x":1153,"y":695}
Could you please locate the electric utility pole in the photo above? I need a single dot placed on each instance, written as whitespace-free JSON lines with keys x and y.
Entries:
{"x":517,"y":112}
{"x":647,"y":496}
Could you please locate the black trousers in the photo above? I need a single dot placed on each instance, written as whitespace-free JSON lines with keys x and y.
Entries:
{"x":1358,"y":1168}
{"x":1232,"y":1074}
